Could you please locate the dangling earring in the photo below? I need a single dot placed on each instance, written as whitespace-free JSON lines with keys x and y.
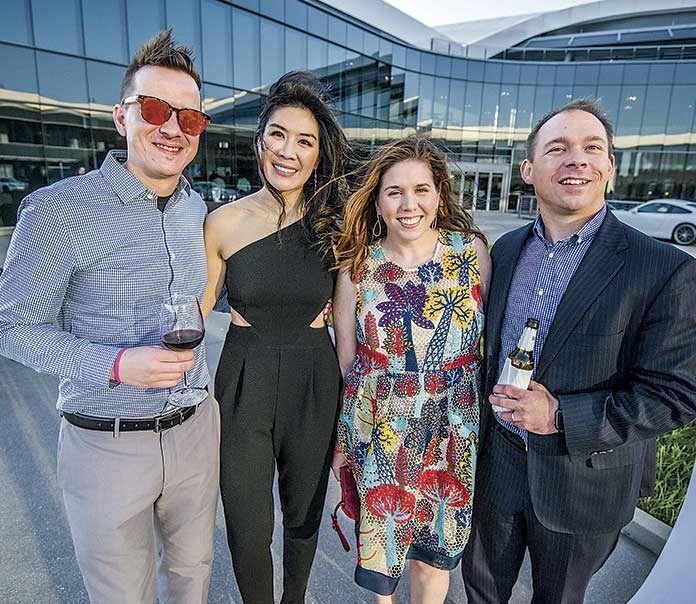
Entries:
{"x":315,"y":180}
{"x":377,"y":228}
{"x":434,"y":224}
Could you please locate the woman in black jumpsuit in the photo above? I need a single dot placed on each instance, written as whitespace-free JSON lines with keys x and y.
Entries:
{"x":278,"y":381}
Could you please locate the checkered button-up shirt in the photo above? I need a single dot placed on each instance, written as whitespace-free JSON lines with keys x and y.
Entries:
{"x":542,"y":275}
{"x":90,"y":262}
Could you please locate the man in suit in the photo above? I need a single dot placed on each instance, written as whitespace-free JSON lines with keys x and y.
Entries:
{"x":560,"y":473}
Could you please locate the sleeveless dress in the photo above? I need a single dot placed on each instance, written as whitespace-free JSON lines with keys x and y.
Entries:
{"x":409,"y":420}
{"x":278,"y":384}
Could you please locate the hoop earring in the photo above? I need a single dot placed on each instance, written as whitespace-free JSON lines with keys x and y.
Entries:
{"x":377,"y":228}
{"x":434,"y":224}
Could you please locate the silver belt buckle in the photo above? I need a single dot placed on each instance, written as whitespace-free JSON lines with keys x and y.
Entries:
{"x":157,"y":429}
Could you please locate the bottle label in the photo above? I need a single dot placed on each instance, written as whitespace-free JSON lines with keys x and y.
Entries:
{"x":512,"y":376}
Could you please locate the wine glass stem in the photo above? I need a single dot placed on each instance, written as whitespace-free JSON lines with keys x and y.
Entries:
{"x":185,"y":382}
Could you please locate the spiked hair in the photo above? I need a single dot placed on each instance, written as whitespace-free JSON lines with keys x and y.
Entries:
{"x":161,"y":51}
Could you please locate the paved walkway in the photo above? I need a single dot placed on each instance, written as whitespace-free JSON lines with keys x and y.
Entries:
{"x":37,"y":563}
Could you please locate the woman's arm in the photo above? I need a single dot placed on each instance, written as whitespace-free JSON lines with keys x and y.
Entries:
{"x":216,"y":263}
{"x":484,"y":262}
{"x":344,"y":304}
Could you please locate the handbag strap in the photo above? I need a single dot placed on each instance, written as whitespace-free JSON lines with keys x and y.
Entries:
{"x":337,"y":527}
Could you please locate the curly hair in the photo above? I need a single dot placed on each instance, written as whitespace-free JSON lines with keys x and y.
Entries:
{"x":324,"y":196}
{"x":361,"y":209}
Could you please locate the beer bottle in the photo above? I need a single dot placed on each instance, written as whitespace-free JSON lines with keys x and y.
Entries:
{"x":519,"y":364}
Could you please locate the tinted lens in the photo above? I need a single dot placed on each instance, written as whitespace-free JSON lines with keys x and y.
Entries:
{"x":192,"y":122}
{"x":154,"y":111}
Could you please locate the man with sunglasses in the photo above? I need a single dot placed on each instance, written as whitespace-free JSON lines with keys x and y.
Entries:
{"x":91,"y":261}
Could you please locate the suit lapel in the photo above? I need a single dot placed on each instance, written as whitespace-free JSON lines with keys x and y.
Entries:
{"x":597,"y":269}
{"x":505,"y":255}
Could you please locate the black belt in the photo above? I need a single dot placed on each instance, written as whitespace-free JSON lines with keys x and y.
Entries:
{"x":156,"y":424}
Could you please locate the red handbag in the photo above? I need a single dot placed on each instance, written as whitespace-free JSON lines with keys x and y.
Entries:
{"x":350,"y":503}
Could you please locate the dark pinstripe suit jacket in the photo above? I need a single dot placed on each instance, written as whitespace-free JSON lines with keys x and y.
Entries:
{"x":621,"y":358}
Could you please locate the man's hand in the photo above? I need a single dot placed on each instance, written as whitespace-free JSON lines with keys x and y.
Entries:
{"x":154,"y":367}
{"x":533,"y":409}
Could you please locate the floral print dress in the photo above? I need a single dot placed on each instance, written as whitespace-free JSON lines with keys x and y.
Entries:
{"x":409,"y":421}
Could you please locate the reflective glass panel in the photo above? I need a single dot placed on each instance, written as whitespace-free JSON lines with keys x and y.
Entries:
{"x":425,"y":103}
{"x":104,"y":84}
{"x":507,"y":112}
{"x":317,"y":22}
{"x":184,"y":17}
{"x":337,"y":31}
{"x":273,"y":8}
{"x":655,"y":113}
{"x":682,"y":109}
{"x":472,"y":107}
{"x":632,"y":101}
{"x":144,"y":19}
{"x":440,"y":102}
{"x":54,"y":71}
{"x":296,"y":14}
{"x":610,"y":74}
{"x":105,"y":30}
{"x":58,"y":25}
{"x":490,"y":105}
{"x":636,"y":73}
{"x":543,"y":101}
{"x":272,"y":52}
{"x":22,"y":77}
{"x":246,"y":42}
{"x":456,"y":103}
{"x":525,"y":117}
{"x":565,"y":74}
{"x":15,"y":25}
{"x":295,"y":50}
{"x":317,"y":56}
{"x":685,"y":73}
{"x":217,"y":42}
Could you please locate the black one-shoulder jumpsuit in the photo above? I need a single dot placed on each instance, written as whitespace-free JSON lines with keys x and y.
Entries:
{"x":278,"y":384}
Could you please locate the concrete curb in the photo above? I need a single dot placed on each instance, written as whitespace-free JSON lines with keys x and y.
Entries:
{"x":647,"y":531}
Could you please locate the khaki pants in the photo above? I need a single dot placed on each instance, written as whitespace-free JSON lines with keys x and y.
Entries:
{"x":130,"y":496}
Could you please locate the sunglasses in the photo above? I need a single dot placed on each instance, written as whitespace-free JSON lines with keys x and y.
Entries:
{"x":156,"y":112}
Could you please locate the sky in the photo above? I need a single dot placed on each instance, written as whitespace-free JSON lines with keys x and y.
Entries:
{"x":444,"y":12}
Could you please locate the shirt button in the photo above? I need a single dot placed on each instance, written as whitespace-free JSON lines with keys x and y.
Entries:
{"x":550,"y":254}
{"x":173,"y":256}
{"x":579,"y":239}
{"x":541,"y":292}
{"x":150,"y":196}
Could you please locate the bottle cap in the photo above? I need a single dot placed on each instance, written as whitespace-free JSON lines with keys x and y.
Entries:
{"x":533,"y":323}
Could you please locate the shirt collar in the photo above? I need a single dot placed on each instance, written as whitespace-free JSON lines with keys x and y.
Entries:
{"x":126,"y":186}
{"x":585,"y":233}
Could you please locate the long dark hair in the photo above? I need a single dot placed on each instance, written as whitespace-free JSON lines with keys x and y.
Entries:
{"x":323,"y":197}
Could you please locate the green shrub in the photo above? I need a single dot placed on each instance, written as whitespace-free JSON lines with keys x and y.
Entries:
{"x":676,"y":453}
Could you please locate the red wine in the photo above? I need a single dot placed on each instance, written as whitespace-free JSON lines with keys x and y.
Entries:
{"x":182,"y":339}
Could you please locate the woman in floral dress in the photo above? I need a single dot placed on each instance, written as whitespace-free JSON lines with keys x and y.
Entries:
{"x":408,"y":311}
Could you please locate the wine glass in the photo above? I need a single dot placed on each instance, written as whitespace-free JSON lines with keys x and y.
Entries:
{"x":182,"y":328}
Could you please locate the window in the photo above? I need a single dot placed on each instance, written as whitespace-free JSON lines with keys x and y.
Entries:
{"x":654,"y":208}
{"x":217,"y":47}
{"x":54,"y":71}
{"x":104,"y":84}
{"x":272,"y":52}
{"x":57,"y":25}
{"x":245,"y":39}
{"x":15,"y":25}
{"x":184,"y":17}
{"x":295,"y":50}
{"x":105,"y":30}
{"x":144,"y":18}
{"x":678,"y":210}
{"x":22,"y":76}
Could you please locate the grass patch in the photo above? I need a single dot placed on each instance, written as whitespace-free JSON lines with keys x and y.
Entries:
{"x":676,"y":453}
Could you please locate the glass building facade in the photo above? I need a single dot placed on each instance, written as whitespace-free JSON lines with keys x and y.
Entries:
{"x":62,"y":64}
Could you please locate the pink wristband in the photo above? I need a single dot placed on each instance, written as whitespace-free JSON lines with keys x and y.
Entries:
{"x":117,"y":361}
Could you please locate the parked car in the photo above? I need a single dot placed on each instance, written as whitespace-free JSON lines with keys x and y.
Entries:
{"x":673,"y":219}
{"x":8,"y":184}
